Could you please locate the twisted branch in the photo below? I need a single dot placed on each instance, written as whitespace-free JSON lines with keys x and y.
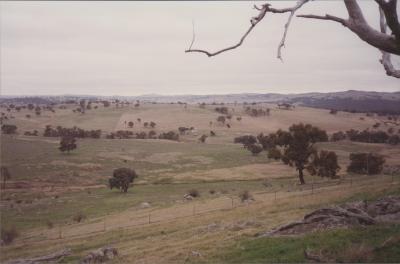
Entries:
{"x":386,"y":43}
{"x":254,"y":21}
{"x":386,"y":58}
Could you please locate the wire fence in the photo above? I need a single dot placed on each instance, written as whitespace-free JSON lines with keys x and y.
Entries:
{"x":194,"y":208}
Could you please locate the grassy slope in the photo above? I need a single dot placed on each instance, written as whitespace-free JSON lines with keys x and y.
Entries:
{"x":214,"y":165}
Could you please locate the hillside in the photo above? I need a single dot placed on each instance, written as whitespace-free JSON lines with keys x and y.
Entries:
{"x":61,"y":200}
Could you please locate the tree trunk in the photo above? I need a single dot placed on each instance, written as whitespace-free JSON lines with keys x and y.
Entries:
{"x":301,"y":176}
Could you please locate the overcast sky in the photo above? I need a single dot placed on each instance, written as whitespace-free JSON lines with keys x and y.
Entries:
{"x":133,"y":48}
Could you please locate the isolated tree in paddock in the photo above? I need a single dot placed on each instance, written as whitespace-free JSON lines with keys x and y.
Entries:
{"x":324,"y":164}
{"x":221,"y":119}
{"x":82,"y":104}
{"x":139,"y":120}
{"x":67,"y":143}
{"x":5,"y":175}
{"x":366,"y":163}
{"x":145,"y":124}
{"x":386,"y":42}
{"x":203,"y":138}
{"x":122,"y":179}
{"x":298,"y":145}
{"x":152,"y":124}
{"x":31,"y":107}
{"x":130,"y":124}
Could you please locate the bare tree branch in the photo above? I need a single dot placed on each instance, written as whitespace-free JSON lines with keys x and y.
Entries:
{"x":386,"y":43}
{"x":300,"y":3}
{"x":389,"y":9}
{"x":193,"y":36}
{"x":360,"y":27}
{"x":326,"y":17}
{"x":254,"y":21}
{"x":386,"y":58}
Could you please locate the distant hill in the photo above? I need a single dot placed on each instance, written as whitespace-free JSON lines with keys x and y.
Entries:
{"x":351,"y":100}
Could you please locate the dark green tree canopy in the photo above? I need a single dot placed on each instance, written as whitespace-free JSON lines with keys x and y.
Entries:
{"x":297,"y":144}
{"x":122,"y":179}
{"x":366,"y":163}
{"x":67,"y":143}
{"x":324,"y":164}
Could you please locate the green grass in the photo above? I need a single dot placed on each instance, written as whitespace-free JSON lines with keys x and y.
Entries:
{"x":102,"y":201}
{"x":32,"y":159}
{"x":334,"y":245}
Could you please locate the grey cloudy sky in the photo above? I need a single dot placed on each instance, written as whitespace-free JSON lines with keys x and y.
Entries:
{"x":133,"y":48}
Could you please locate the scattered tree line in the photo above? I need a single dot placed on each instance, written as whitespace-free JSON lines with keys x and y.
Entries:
{"x":296,"y":148}
{"x":126,"y":134}
{"x":75,"y":132}
{"x":367,"y":136}
{"x":255,"y":112}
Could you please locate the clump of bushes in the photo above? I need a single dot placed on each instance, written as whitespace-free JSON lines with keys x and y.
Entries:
{"x":75,"y":132}
{"x":9,"y":129}
{"x":171,"y":135}
{"x":246,"y":140}
{"x":255,"y":149}
{"x":32,"y":133}
{"x":366,"y":163}
{"x":257,"y":111}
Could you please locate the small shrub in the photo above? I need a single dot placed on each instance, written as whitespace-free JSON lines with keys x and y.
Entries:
{"x":79,"y":217}
{"x":212,"y":191}
{"x":49,"y":224}
{"x":245,"y":196}
{"x":194,"y":193}
{"x":8,"y":235}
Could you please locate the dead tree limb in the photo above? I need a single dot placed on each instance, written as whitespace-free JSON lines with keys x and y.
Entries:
{"x":387,"y":43}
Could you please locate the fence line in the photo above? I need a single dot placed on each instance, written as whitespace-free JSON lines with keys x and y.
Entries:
{"x":228,"y":203}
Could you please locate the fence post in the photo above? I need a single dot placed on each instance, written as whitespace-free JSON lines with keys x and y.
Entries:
{"x":149,"y":219}
{"x":59,"y":232}
{"x":194,"y":209}
{"x":232,"y":201}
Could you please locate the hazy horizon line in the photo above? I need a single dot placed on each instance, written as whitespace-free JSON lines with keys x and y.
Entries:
{"x":188,"y":94}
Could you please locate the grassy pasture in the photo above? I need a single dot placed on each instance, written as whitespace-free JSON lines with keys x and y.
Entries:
{"x":47,"y":185}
